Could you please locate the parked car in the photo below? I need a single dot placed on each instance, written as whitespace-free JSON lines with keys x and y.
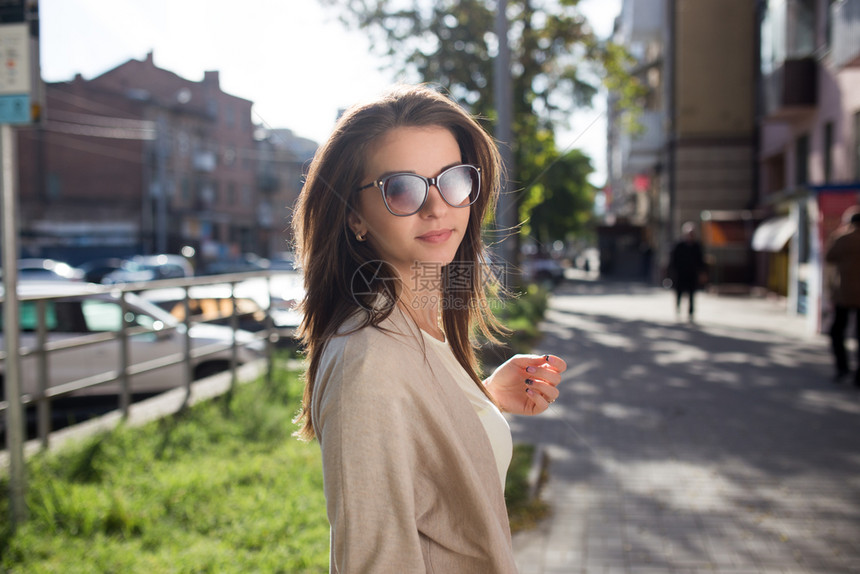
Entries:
{"x":165,"y":266}
{"x":284,"y":261}
{"x":243,"y":264}
{"x":84,"y":310}
{"x":287,"y":292}
{"x":209,"y":303}
{"x":542,"y":269}
{"x":114,"y":270}
{"x":32,"y":269}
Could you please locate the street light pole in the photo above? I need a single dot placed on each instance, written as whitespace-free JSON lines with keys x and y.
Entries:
{"x":506,"y":209}
{"x":20,"y":95}
{"x":11,"y":335}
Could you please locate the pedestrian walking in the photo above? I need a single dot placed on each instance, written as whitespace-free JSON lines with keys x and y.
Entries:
{"x":843,"y":252}
{"x":687,"y":269}
{"x":414,"y":445}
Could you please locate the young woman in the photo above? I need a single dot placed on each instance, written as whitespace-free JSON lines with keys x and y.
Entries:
{"x":414,"y":445}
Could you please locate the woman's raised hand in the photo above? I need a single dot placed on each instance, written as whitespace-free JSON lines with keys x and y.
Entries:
{"x":526,"y":384}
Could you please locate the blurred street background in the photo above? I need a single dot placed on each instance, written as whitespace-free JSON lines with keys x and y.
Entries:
{"x":715,"y":446}
{"x":157,"y":149}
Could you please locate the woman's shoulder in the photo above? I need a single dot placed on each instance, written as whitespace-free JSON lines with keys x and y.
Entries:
{"x":394,"y":331}
{"x":356,"y":347}
{"x":360,"y":365}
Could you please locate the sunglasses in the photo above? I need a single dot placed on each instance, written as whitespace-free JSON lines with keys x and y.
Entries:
{"x":405,"y":193}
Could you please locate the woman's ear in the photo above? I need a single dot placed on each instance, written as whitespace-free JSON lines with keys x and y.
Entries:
{"x":356,"y":224}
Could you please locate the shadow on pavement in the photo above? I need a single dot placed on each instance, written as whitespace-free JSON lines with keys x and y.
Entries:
{"x":688,"y":447}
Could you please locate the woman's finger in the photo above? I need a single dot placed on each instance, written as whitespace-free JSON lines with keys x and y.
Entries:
{"x":541,"y":401}
{"x":548,"y":375}
{"x":547,"y":361}
{"x":545,"y":389}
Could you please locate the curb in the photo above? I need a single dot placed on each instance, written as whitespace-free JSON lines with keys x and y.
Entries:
{"x":540,"y":462}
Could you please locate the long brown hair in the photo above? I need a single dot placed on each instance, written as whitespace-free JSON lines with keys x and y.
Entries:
{"x":331,"y":257}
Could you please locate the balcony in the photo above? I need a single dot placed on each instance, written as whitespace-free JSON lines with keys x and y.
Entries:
{"x":845,"y":18}
{"x":790,"y":90}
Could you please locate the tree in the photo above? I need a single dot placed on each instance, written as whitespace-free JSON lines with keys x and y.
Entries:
{"x":557,"y":66}
{"x":559,"y":202}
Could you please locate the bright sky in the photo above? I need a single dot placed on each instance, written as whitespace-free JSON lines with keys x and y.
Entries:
{"x":292,"y":58}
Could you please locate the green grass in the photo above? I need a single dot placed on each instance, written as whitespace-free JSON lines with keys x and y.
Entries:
{"x":523,"y":512}
{"x":220,"y":488}
{"x":521,"y":314}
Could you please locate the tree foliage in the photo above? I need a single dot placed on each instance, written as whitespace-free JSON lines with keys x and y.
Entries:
{"x":557,"y":66}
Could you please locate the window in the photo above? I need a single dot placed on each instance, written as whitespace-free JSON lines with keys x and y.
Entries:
{"x":106,"y":316}
{"x":102,"y":316}
{"x":29,"y":318}
{"x":801,"y":31}
{"x":801,"y":161}
{"x":828,"y":152}
{"x":828,"y":24}
{"x":857,"y":146}
{"x":228,"y":156}
{"x":54,"y":187}
{"x":774,"y":174}
{"x":60,"y":317}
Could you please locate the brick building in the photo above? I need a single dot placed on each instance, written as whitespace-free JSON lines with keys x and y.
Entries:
{"x":141,"y":160}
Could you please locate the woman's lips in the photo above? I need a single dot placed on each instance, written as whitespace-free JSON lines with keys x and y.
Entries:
{"x":436,"y":236}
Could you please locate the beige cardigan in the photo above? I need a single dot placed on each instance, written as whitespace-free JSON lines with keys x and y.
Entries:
{"x":411,"y":483}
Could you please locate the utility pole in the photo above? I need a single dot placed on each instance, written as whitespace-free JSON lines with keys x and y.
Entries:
{"x":19,"y":105}
{"x":160,"y":187}
{"x":506,"y":209}
{"x":11,"y":325}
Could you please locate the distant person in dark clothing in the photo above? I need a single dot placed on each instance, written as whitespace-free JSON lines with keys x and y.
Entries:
{"x":687,"y":268}
{"x":843,"y":252}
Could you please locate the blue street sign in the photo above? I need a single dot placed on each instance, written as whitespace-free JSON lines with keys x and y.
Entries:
{"x":14,"y":109}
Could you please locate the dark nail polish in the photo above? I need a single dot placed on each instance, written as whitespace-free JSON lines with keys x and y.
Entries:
{"x":529,"y":381}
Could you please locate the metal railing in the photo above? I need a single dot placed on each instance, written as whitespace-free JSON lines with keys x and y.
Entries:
{"x":44,"y":348}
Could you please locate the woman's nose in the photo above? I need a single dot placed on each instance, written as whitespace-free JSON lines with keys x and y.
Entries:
{"x":435,"y":204}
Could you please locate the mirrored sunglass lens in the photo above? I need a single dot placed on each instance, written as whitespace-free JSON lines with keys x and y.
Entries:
{"x":404,"y":193}
{"x":459,"y":185}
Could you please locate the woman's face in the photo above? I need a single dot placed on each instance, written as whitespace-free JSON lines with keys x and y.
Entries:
{"x":430,"y":236}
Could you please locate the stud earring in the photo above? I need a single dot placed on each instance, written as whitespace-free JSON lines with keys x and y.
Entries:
{"x":359,"y":236}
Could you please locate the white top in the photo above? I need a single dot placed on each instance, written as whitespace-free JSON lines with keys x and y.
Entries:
{"x":498,"y":430}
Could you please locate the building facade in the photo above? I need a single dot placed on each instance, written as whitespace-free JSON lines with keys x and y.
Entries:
{"x":141,"y":160}
{"x":809,"y":158}
{"x":756,"y":136}
{"x":692,"y":155}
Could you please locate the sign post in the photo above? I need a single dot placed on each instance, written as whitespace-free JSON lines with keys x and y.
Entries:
{"x":19,"y":81}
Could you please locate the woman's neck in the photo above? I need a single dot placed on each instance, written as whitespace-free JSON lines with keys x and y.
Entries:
{"x":423,"y":305}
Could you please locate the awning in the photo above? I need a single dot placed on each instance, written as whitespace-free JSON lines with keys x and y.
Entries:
{"x":773,"y":234}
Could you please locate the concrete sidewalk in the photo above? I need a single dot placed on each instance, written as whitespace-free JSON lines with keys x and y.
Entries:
{"x":720,"y":446}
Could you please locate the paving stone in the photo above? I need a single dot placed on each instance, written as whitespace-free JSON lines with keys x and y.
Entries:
{"x":715,"y":447}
